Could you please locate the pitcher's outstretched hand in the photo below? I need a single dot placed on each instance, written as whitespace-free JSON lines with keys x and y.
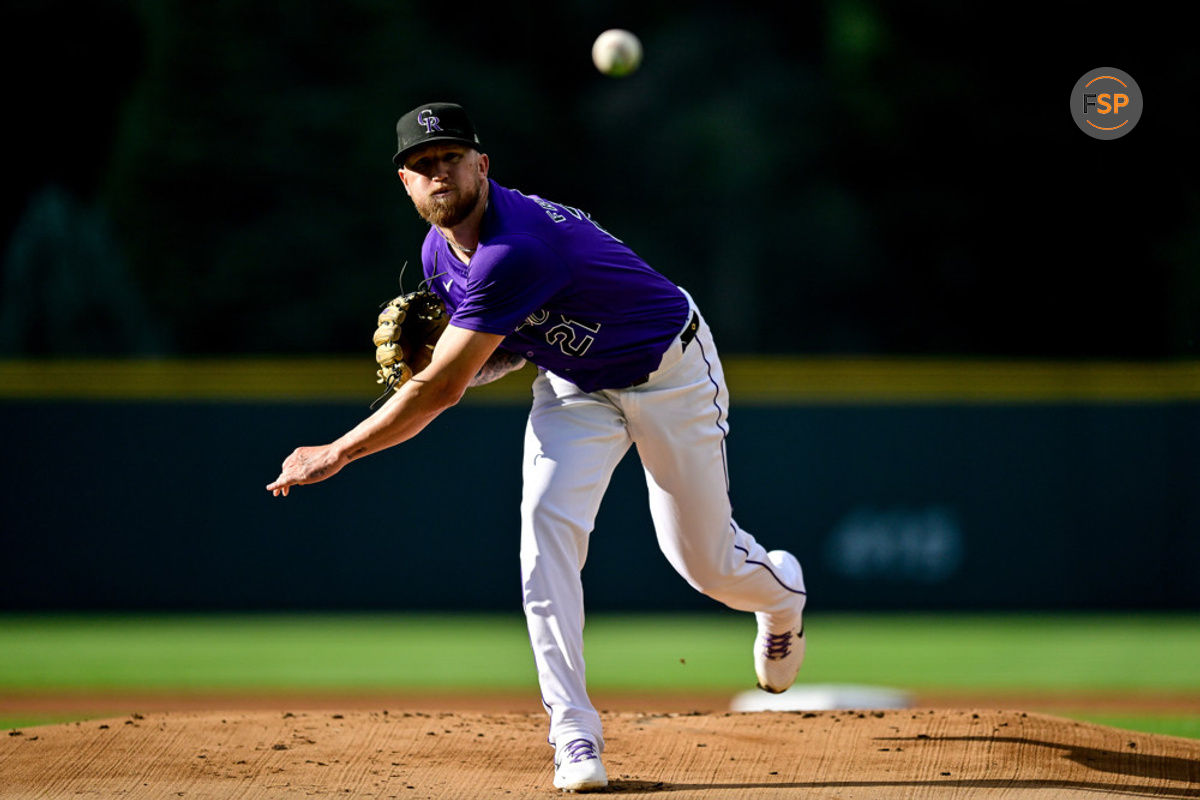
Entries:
{"x":306,"y":465}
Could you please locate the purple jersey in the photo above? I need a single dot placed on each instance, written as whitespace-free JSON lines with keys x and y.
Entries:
{"x":565,"y":293}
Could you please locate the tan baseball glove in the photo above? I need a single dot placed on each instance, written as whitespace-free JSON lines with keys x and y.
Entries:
{"x":409,"y":327}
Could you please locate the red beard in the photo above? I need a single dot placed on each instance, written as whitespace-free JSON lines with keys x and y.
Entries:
{"x":451,"y":208}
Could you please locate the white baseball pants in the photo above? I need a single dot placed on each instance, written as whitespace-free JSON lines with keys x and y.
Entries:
{"x":573,"y":442}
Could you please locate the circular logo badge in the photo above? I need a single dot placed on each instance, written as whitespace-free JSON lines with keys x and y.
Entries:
{"x":1106,"y":103}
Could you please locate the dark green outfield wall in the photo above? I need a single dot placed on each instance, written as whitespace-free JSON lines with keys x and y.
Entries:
{"x":153,"y":505}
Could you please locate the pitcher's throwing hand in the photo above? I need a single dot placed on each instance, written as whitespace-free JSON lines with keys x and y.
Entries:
{"x":306,"y":465}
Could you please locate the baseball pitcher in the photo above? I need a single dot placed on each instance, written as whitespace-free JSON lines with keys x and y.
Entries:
{"x":624,"y":358}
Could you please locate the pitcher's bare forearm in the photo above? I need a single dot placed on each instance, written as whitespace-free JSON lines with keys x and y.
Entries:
{"x":405,"y":414}
{"x":368,"y":436}
{"x":459,"y":356}
{"x":499,"y":364}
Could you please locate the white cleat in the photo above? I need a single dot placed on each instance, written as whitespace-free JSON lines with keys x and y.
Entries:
{"x":779,"y":652}
{"x":578,"y":768}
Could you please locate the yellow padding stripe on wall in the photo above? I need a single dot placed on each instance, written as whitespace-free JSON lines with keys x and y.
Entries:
{"x":918,"y":381}
{"x":232,"y":380}
{"x":752,"y":380}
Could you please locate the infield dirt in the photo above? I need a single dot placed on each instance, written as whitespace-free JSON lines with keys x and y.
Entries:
{"x":911,"y":753}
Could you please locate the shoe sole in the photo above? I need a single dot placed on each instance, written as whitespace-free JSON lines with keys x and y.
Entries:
{"x":589,"y":784}
{"x":584,"y":786}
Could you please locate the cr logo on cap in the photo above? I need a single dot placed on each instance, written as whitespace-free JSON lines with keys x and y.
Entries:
{"x":427,"y":119}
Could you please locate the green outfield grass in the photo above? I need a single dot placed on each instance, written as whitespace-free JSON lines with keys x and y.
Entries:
{"x":365,"y":653}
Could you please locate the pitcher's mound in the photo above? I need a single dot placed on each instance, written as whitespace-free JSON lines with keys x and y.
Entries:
{"x":831,"y":754}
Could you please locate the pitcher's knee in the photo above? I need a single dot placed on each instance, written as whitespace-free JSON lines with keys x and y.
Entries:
{"x":553,"y":517}
{"x":708,"y":580}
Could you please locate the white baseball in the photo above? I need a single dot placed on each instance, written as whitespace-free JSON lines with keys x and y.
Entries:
{"x":617,"y":52}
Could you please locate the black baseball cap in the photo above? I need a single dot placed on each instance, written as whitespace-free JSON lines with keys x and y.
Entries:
{"x":433,"y":122}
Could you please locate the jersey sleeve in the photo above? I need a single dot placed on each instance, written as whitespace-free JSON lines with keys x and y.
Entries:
{"x":509,"y":280}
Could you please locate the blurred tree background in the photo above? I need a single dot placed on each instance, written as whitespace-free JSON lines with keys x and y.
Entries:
{"x":838,"y":177}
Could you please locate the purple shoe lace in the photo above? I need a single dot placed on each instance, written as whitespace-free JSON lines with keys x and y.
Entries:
{"x":579,"y":750}
{"x":779,"y":645}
